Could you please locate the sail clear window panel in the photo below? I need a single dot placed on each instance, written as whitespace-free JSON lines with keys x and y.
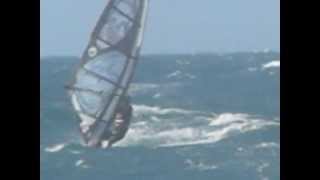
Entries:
{"x":89,"y":102}
{"x":101,"y":45}
{"x":86,"y":80}
{"x":116,"y":27}
{"x":92,"y":103}
{"x":129,"y":7}
{"x":108,"y":65}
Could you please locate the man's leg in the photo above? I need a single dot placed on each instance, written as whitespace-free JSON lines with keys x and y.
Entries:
{"x":106,"y":135}
{"x":115,"y":138}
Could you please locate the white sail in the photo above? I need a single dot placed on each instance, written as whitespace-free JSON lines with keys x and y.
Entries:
{"x":107,"y":66}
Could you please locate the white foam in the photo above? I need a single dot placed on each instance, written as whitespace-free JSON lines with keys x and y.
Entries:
{"x":55,"y":148}
{"x":144,"y":109}
{"x":262,"y":166}
{"x":179,"y":135}
{"x":226,"y":118}
{"x":81,"y":163}
{"x":232,"y":124}
{"x":140,"y":123}
{"x":142,"y":86}
{"x":153,"y":130}
{"x":155,"y":139}
{"x":156,"y":96}
{"x":199,"y":166}
{"x":182,"y":62}
{"x":178,"y":74}
{"x":155,"y":119}
{"x":190,"y":76}
{"x":174,"y":74}
{"x":268,"y":145}
{"x":135,"y":136}
{"x":272,"y":64}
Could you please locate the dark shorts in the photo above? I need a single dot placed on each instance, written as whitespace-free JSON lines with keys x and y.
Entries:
{"x":114,"y":134}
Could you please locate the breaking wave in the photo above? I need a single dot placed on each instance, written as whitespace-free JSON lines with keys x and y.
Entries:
{"x":156,"y":127}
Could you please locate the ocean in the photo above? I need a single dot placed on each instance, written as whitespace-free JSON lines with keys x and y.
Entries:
{"x":196,"y":117}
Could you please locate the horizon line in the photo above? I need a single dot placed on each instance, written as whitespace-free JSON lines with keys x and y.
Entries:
{"x":178,"y":53}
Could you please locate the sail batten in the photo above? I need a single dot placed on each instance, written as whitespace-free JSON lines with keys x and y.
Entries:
{"x":100,"y":77}
{"x":86,"y":90}
{"x":107,"y":66}
{"x":124,"y":14}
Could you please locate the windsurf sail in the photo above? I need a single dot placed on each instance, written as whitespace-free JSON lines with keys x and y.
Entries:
{"x":107,"y":66}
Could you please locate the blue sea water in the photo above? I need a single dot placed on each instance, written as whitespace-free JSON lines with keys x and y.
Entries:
{"x":200,"y":116}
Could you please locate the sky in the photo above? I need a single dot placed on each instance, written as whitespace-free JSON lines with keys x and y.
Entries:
{"x":173,"y":26}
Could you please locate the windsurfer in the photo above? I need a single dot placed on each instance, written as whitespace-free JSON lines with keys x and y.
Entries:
{"x":120,"y":123}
